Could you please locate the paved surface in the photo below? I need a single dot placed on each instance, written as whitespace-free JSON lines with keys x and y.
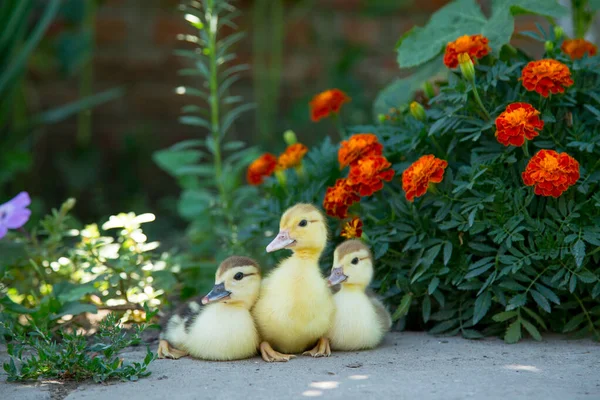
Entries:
{"x":406,"y":366}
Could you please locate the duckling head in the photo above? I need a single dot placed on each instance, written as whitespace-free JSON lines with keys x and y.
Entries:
{"x":237,"y":281}
{"x":352,"y":264}
{"x":303,"y":230}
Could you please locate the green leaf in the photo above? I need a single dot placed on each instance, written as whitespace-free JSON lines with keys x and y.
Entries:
{"x":426,"y":308}
{"x":447,"y":252}
{"x":471,"y":334}
{"x":194,"y":203}
{"x":433,"y":285}
{"x":549,"y":294}
{"x":516,"y":301}
{"x":431,"y":254}
{"x":461,"y":17}
{"x":401,"y":91}
{"x":579,"y":252}
{"x":540,"y":300}
{"x":574,"y":323}
{"x":482,"y":305}
{"x":513,"y":333}
{"x":74,"y":308}
{"x":504,"y":316}
{"x":533,"y":331}
{"x":172,"y":161}
{"x":403,"y":307}
{"x":443,"y":326}
{"x":195,"y":121}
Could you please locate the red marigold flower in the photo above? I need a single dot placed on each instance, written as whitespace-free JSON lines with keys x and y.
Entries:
{"x":292,"y":156}
{"x":368,"y":173}
{"x":518,"y":122}
{"x":577,"y":48}
{"x":352,"y":229}
{"x":261,"y":167}
{"x":416,"y":178}
{"x":327,"y":102}
{"x":546,"y":76}
{"x":476,"y":46}
{"x":551,"y":173}
{"x":339,"y":198}
{"x":358,"y":146}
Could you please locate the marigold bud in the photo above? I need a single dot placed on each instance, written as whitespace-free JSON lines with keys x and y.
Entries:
{"x":417,"y":111}
{"x":466,"y":66}
{"x":290,"y":137}
{"x":559,"y":32}
{"x":429,"y":90}
{"x":381,"y":117}
{"x":549,"y":46}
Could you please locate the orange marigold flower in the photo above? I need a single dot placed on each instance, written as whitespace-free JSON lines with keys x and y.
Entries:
{"x":476,"y":46}
{"x":292,"y":156}
{"x":577,"y":48}
{"x":261,"y":167}
{"x":358,"y":146}
{"x":546,"y":76}
{"x":327,"y":102}
{"x":416,"y":178}
{"x":551,"y":173}
{"x":368,"y":173}
{"x":352,"y":229}
{"x":339,"y":198}
{"x":518,"y":122}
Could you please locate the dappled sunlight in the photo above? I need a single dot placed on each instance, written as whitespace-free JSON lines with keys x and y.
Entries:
{"x":358,"y":377}
{"x":325,"y":385}
{"x":519,"y":367}
{"x":312,"y":393}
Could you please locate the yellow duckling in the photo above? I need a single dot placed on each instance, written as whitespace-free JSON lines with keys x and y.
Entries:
{"x":361,"y":320}
{"x":218,"y":326}
{"x":295,"y":307}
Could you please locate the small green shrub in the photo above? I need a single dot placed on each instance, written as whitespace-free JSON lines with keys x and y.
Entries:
{"x":74,"y":356}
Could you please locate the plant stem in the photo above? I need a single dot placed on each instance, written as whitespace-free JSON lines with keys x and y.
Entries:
{"x":337,"y":120}
{"x":212,"y":26}
{"x":526,"y":149}
{"x":478,"y":99}
{"x":581,"y":18}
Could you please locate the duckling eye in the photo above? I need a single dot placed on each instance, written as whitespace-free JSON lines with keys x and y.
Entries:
{"x":354,"y":260}
{"x":238,"y":276}
{"x":303,"y":223}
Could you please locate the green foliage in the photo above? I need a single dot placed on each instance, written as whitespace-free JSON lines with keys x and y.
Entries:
{"x":464,"y":17}
{"x":209,"y":169}
{"x":479,"y":254}
{"x":56,"y":272}
{"x":74,"y":356}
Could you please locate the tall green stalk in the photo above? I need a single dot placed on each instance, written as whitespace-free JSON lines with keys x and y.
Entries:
{"x":582,"y":18}
{"x":84,"y":118}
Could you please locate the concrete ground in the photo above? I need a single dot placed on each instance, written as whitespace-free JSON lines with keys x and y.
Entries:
{"x":405,"y":366}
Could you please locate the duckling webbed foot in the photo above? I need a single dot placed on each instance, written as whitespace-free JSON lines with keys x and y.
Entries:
{"x":322,"y":349}
{"x":165,"y":350}
{"x":270,"y":355}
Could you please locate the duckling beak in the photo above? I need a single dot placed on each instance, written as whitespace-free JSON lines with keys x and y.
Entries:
{"x":217,"y":293}
{"x":337,"y":276}
{"x":281,"y":241}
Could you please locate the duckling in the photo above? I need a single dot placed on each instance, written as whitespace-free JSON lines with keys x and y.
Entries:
{"x":361,"y":320}
{"x":295,"y":306}
{"x":218,"y":326}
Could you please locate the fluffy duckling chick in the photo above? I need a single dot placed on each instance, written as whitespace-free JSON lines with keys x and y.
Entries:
{"x":218,"y":326}
{"x":295,"y":307}
{"x":361,"y":320}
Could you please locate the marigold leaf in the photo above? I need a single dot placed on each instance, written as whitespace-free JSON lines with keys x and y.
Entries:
{"x":426,"y":308}
{"x":533,"y":331}
{"x":433,"y":285}
{"x":540,"y":300}
{"x":513,"y":333}
{"x":579,"y":252}
{"x":574,"y":323}
{"x":403,"y":307}
{"x":482,"y":305}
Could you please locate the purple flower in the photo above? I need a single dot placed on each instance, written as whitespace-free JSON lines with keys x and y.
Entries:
{"x":14,"y":214}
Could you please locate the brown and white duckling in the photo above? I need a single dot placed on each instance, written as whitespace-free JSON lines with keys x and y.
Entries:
{"x":295,"y":308}
{"x":361,"y":320}
{"x":218,"y":326}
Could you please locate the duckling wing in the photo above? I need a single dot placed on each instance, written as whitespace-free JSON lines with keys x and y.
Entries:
{"x":182,"y":317}
{"x":383,"y":316}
